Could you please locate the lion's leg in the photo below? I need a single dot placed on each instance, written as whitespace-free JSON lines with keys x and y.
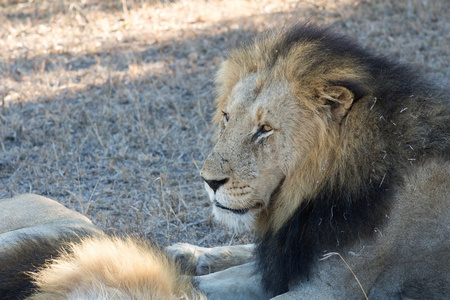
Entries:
{"x":201,"y":261}
{"x":239,"y":282}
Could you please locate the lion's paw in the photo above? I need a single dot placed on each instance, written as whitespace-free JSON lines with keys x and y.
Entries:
{"x":188,"y":257}
{"x":204,"y":265}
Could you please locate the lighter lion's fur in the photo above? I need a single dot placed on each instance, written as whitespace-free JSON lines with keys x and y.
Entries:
{"x":112,"y":268}
{"x":51,"y":252}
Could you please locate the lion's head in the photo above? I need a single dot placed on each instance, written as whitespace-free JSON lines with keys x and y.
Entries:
{"x":248,"y":164}
{"x":279,"y":114}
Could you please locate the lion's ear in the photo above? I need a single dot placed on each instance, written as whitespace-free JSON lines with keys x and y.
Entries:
{"x":340,"y":99}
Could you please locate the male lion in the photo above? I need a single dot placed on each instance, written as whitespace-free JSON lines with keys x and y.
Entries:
{"x":333,"y":156}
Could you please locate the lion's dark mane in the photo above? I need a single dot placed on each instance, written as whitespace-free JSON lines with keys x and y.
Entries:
{"x":337,"y":216}
{"x":328,"y":222}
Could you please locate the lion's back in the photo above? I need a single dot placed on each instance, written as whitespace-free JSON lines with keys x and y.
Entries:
{"x":421,"y":250}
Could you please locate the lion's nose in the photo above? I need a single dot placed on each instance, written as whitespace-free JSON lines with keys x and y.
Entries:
{"x":215,"y":184}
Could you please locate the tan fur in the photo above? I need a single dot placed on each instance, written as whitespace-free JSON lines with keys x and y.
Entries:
{"x":112,"y":268}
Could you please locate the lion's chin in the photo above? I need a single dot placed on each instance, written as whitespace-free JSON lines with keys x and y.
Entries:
{"x":238,"y":221}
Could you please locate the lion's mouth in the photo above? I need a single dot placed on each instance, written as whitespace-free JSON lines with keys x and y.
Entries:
{"x":241,"y":211}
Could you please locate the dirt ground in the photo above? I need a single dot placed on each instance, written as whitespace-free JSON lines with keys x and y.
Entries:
{"x":105,"y":106}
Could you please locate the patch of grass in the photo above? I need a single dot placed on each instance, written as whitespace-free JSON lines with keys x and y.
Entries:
{"x":108,"y":110}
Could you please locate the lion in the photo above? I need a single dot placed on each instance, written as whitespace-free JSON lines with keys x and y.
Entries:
{"x":50,"y":252}
{"x":338,"y":160}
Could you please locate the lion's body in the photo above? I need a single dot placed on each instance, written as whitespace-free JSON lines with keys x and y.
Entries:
{"x":73,"y":259}
{"x":32,"y":230}
{"x":323,"y":148}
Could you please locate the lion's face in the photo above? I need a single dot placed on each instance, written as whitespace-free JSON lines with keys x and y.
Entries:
{"x":254,"y":153}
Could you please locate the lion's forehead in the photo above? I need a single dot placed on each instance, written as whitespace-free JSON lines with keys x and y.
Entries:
{"x":257,"y":96}
{"x":243,"y":93}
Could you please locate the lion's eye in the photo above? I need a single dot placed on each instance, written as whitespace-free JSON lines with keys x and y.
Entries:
{"x":263,"y":129}
{"x":266,"y":128}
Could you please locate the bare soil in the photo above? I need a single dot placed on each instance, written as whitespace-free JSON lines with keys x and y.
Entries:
{"x":105,"y":106}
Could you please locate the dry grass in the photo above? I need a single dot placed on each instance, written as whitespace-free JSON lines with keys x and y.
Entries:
{"x":107,"y":109}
